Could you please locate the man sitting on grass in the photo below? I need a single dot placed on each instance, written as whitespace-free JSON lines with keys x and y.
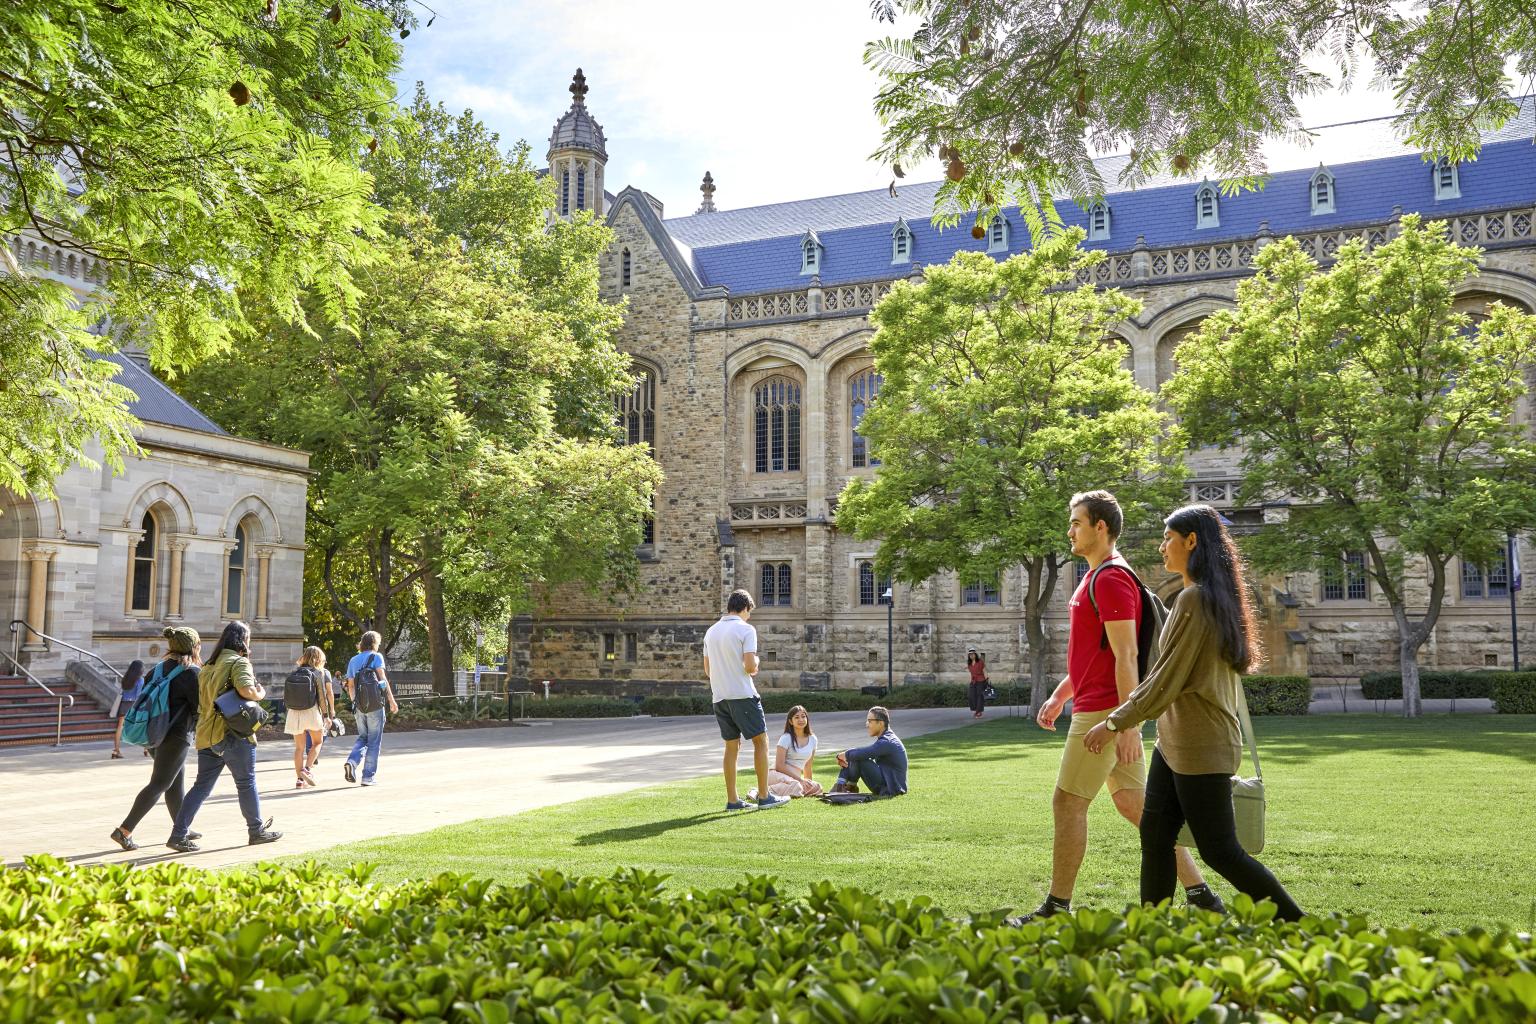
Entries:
{"x":881,"y":765}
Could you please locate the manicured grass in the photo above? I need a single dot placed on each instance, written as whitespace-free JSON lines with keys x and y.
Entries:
{"x":1425,"y":823}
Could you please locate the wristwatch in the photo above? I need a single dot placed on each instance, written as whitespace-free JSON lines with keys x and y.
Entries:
{"x":1109,"y":723}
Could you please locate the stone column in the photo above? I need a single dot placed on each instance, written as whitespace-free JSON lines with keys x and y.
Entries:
{"x":173,"y":597}
{"x":37,"y":593}
{"x":263,"y":573}
{"x":813,"y":442}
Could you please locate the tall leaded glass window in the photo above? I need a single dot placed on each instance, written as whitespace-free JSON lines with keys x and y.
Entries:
{"x":871,"y":588}
{"x":776,"y":426}
{"x":1344,"y":580}
{"x":862,"y":390}
{"x":1490,"y":580}
{"x":142,"y":589}
{"x":636,"y":416}
{"x":234,"y":582}
{"x":776,"y":584}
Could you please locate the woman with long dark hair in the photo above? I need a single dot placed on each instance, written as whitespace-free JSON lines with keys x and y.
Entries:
{"x":228,"y":668}
{"x":976,"y":666}
{"x":794,"y":758}
{"x":132,"y":685}
{"x":178,"y":673}
{"x":1193,"y":690}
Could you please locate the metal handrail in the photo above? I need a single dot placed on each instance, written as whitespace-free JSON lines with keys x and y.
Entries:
{"x":62,"y":643}
{"x":58,"y":728}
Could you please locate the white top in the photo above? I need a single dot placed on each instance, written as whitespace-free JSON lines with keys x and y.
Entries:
{"x":724,"y":644}
{"x":797,"y":757}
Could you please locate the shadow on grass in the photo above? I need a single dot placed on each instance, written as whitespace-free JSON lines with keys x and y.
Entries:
{"x":646,"y":830}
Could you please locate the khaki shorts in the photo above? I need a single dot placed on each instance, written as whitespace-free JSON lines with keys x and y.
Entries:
{"x":1083,"y":773}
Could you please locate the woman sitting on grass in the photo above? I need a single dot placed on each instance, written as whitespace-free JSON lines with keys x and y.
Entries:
{"x":792,"y":765}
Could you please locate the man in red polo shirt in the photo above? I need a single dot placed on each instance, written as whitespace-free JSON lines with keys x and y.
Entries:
{"x":1101,"y":673}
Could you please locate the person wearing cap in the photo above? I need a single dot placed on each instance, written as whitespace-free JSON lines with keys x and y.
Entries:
{"x":167,"y":774}
{"x":881,"y":765}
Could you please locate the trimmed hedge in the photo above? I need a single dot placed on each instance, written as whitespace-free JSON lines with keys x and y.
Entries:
{"x":1434,"y":684}
{"x":1514,"y":693}
{"x":583,"y":707}
{"x":135,"y":945}
{"x":678,"y":704}
{"x":1277,"y":695}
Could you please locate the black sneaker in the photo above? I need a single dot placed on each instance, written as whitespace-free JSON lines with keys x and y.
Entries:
{"x":194,"y":835}
{"x":1205,"y":898}
{"x":1050,"y":908}
{"x":183,"y":845}
{"x":124,"y":840}
{"x":349,"y":770}
{"x":266,"y":835}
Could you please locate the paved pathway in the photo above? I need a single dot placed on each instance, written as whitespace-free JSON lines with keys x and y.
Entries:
{"x":66,"y":801}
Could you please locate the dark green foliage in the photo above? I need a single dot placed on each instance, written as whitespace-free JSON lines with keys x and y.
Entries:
{"x":1277,"y":695}
{"x":1436,"y":685}
{"x":1514,"y":693}
{"x":138,"y":945}
{"x":676,"y":704}
{"x":583,"y":707}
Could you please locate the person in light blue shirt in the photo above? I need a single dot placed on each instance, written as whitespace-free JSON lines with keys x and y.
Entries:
{"x":369,"y":688}
{"x":880,"y":765}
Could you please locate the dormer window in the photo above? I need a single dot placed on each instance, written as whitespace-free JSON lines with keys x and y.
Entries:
{"x":810,"y":253}
{"x":1098,"y":222}
{"x":997,"y":235}
{"x":901,"y":242}
{"x":1207,"y":207}
{"x":1322,"y":192}
{"x":1447,"y":180}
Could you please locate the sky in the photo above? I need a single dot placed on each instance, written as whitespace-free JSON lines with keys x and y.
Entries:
{"x":773,"y":99}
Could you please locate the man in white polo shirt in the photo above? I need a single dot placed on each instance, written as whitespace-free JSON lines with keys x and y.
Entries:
{"x":730,"y":660}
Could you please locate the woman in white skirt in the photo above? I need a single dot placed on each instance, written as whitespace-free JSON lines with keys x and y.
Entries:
{"x":308,"y":687}
{"x":793,"y":759}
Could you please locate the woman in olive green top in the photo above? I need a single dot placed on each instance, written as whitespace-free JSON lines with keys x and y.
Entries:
{"x":1192,"y":691}
{"x":228,"y":668}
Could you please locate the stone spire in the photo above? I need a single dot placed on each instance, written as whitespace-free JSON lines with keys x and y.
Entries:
{"x":708,"y":188}
{"x":578,"y":154}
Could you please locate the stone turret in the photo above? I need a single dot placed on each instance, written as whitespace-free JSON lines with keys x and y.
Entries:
{"x":708,"y":188}
{"x":578,"y":152}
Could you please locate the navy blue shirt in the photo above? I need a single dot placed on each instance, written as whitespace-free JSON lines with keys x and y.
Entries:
{"x":888,"y":753}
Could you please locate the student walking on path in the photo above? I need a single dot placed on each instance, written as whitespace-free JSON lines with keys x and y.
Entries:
{"x":880,"y":765}
{"x":1106,"y":623}
{"x":1193,"y":692}
{"x":730,"y":661}
{"x":132,"y":685}
{"x":368,"y":686}
{"x":179,"y":674}
{"x":229,"y":668}
{"x":307,"y":697}
{"x":976,"y":665}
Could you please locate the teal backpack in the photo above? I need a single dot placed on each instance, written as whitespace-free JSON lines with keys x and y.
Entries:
{"x":147,"y":722}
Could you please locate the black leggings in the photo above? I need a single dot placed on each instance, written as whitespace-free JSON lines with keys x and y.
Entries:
{"x":164,"y":778}
{"x":1205,"y":801}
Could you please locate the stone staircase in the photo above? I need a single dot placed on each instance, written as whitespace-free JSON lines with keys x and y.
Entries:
{"x":30,"y":716}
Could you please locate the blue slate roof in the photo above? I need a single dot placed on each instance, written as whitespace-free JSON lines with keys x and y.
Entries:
{"x":156,"y":403}
{"x":758,"y":249}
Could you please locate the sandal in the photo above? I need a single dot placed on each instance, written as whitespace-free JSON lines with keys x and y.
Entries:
{"x":123,"y":839}
{"x":117,"y":755}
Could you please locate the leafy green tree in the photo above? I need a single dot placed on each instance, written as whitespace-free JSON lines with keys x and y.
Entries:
{"x":206,"y":154}
{"x":1384,"y":415}
{"x":463,"y":435}
{"x":1003,"y":395}
{"x":1017,"y":94}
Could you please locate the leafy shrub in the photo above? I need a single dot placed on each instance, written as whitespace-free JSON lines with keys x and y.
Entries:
{"x":777,"y":703}
{"x":1514,"y":693}
{"x":929,"y":695}
{"x":1434,"y":684}
{"x":583,"y":707}
{"x":136,"y":945}
{"x":1278,"y":695}
{"x":678,"y":704}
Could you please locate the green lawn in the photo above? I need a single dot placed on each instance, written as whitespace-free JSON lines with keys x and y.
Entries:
{"x":1429,"y":823}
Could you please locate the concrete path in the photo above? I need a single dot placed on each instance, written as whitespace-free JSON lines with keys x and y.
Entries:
{"x":66,"y":801}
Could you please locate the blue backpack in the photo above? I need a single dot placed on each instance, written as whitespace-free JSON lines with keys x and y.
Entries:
{"x":147,"y":722}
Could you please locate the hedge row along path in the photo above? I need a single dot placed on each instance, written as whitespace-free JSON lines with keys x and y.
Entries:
{"x":66,"y":801}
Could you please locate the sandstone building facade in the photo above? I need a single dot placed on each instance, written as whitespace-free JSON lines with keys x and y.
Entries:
{"x":749,"y":329}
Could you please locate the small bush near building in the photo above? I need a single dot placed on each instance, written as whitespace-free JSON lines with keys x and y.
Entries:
{"x":169,"y":942}
{"x":663,"y":706}
{"x":1434,"y":684}
{"x":1514,"y":693}
{"x":1278,"y":695}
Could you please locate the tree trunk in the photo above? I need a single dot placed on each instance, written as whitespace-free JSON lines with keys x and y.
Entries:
{"x":1037,"y":599}
{"x":438,"y":640}
{"x":382,"y":592}
{"x":1408,"y":665}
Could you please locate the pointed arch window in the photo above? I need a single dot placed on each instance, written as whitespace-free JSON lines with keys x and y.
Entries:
{"x":1323,"y":192}
{"x":581,"y":187}
{"x":862,"y":390}
{"x":998,"y":235}
{"x":1098,"y":222}
{"x":626,"y":271}
{"x":776,"y":425}
{"x":234,"y":574}
{"x":901,"y":242}
{"x":141,"y":576}
{"x":636,"y":416}
{"x":1207,"y":207}
{"x":1447,"y":180}
{"x":565,"y":192}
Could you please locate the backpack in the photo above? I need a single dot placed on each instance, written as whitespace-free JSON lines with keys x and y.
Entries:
{"x":367,"y":691}
{"x":147,"y":722}
{"x":300,"y":689}
{"x":1149,"y":626}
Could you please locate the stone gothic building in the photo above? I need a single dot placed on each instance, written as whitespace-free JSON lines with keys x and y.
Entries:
{"x":749,"y":330}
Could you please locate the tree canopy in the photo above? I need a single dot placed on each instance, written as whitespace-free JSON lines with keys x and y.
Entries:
{"x":1003,"y":395}
{"x":1381,"y":413}
{"x":203,"y":161}
{"x":1018,"y":95}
